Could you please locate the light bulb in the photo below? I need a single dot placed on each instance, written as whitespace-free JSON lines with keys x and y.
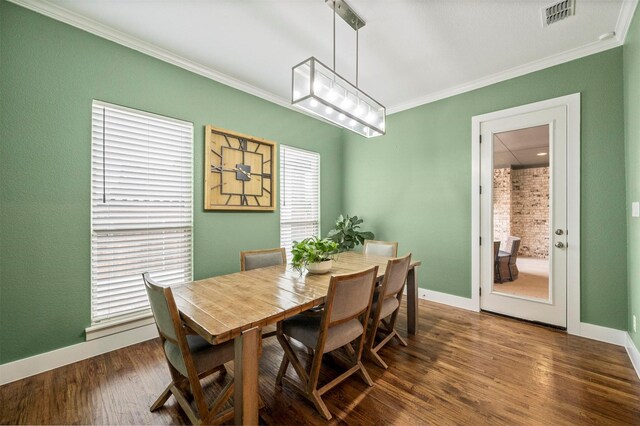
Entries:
{"x":341,"y":117}
{"x":359,"y":111}
{"x":371,"y":117}
{"x":316,"y":86}
{"x":296,"y":94}
{"x":314,"y":103}
{"x":332,"y":95}
{"x":329,"y":110}
{"x":346,"y":103}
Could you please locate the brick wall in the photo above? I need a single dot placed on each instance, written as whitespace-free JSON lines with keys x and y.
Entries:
{"x":501,"y":204}
{"x":526,"y":192}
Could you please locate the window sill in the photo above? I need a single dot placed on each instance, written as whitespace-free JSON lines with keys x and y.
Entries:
{"x":107,"y":328}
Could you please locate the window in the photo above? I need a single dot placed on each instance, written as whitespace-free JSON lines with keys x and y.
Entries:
{"x":299,"y":195}
{"x":141,"y":207}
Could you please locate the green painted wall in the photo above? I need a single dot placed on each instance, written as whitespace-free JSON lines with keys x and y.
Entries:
{"x":414,"y":184}
{"x":632,"y":137}
{"x":50,"y":74}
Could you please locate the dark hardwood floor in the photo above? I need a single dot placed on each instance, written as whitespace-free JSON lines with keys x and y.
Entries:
{"x":463,"y":368}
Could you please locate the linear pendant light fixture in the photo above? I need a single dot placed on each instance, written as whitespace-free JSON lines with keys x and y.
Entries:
{"x":317,"y":89}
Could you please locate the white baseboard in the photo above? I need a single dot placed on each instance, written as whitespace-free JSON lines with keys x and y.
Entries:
{"x":634,"y":354}
{"x":36,"y":364}
{"x":447,"y":299}
{"x":603,"y":334}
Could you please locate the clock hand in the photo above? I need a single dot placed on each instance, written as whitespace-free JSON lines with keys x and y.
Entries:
{"x":243,"y":172}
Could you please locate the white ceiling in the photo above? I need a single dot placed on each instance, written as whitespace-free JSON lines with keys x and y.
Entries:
{"x":411,"y":51}
{"x":520,"y":148}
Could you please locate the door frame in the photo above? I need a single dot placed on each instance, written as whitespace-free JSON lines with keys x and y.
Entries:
{"x":572,"y":105}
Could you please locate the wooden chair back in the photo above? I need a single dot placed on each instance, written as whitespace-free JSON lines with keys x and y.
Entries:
{"x":254,"y":259}
{"x":349,"y":295}
{"x":513,"y":246}
{"x":496,"y":250}
{"x":395,"y":276}
{"x":381,"y":248}
{"x":165,"y":311}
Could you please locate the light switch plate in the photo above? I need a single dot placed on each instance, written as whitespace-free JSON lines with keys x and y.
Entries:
{"x":635,"y":209}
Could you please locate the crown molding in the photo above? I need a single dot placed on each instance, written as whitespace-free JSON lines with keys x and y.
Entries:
{"x":624,"y":19}
{"x":550,"y":61}
{"x":622,"y":28}
{"x":63,"y":15}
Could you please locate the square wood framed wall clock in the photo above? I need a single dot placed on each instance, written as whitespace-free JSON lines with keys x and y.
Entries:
{"x":240,"y":171}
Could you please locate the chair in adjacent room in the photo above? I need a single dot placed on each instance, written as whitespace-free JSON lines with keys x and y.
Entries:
{"x":496,"y":264}
{"x":507,"y":268}
{"x":381,"y":248}
{"x":384,"y":310}
{"x":190,"y":358}
{"x":255,"y":259}
{"x":342,"y":321}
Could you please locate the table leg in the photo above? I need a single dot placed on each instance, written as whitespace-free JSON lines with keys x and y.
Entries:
{"x":412,"y":301}
{"x":245,"y":371}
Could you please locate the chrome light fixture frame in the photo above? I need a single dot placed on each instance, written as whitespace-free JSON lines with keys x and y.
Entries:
{"x":319,"y":90}
{"x":355,"y":111}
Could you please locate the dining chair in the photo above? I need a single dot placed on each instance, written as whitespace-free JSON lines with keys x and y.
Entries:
{"x":255,"y":259}
{"x":385,"y":309}
{"x":496,"y":263}
{"x":342,"y":321}
{"x":507,"y":260}
{"x":381,"y":248}
{"x":190,"y":358}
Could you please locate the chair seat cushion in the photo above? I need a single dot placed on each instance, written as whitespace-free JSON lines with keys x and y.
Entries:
{"x":205,"y":356}
{"x":305,"y":328}
{"x":388,"y":306}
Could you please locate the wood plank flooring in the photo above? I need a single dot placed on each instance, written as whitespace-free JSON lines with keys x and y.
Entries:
{"x":463,"y":368}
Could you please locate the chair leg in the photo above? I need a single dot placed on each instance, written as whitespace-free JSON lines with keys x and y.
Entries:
{"x":392,"y":328}
{"x":224,"y":396}
{"x":349,"y":349}
{"x":283,"y":369}
{"x":365,"y":374}
{"x":164,"y":396}
{"x":373,"y":356}
{"x":290,"y":356}
{"x":315,"y":397}
{"x":400,"y":338}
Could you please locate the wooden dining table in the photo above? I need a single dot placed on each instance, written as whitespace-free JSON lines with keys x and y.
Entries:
{"x":237,"y":306}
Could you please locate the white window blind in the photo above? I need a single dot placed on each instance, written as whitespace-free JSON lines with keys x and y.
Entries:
{"x":299,"y":195}
{"x":141,"y":199}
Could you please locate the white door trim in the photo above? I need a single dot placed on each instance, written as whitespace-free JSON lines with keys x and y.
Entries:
{"x":572,"y":104}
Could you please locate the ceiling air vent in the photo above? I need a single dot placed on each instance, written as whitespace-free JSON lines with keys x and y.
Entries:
{"x":558,"y":11}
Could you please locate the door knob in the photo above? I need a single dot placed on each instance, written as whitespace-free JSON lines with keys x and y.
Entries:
{"x":559,"y":231}
{"x":560,"y":244}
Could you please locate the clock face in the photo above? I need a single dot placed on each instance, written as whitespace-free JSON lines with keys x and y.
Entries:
{"x":239,"y":171}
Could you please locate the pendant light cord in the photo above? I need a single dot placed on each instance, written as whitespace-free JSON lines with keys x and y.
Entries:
{"x":334,"y":36}
{"x":357,"y":43}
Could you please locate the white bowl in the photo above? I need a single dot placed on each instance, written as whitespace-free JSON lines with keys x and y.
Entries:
{"x":320,"y":267}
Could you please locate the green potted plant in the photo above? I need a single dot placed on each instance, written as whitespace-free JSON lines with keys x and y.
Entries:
{"x":314,"y":254}
{"x":346,"y":233}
